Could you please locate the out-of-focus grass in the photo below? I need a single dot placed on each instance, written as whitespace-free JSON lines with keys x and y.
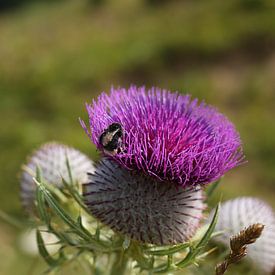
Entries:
{"x":56,"y":56}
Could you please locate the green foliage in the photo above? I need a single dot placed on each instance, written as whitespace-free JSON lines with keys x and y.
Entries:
{"x":96,"y":2}
{"x":12,"y":4}
{"x":72,"y":233}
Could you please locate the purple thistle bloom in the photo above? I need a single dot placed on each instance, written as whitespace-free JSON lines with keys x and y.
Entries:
{"x":167,"y":135}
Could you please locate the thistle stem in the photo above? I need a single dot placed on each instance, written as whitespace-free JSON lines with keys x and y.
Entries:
{"x":119,"y":264}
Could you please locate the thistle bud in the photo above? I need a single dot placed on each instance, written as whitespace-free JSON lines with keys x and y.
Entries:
{"x":141,"y":207}
{"x":51,"y":159}
{"x":242,"y":212}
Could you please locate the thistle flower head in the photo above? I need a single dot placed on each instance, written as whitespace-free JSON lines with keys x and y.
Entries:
{"x":239,"y":213}
{"x":51,"y":159}
{"x":167,"y":135}
{"x":142,"y":207}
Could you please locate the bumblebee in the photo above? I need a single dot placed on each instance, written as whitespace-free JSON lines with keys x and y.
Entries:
{"x":111,"y":139}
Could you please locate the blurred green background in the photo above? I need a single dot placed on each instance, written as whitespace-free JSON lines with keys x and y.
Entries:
{"x":57,"y":55}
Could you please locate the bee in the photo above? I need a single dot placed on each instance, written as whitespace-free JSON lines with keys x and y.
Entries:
{"x":111,"y":139}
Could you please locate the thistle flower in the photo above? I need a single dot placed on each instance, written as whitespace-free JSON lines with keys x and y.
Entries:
{"x":167,"y":135}
{"x":239,"y":213}
{"x":51,"y":159}
{"x":142,"y":207}
{"x":161,"y":148}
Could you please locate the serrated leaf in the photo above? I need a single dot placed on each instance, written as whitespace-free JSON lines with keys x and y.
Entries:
{"x":143,"y":262}
{"x":166,"y":267}
{"x":208,"y":252}
{"x":168,"y":251}
{"x":42,"y":207}
{"x":44,"y":252}
{"x":59,"y":211}
{"x":210,"y":230}
{"x":64,"y":237}
{"x":202,"y":243}
{"x":38,"y":174}
{"x":69,"y":170}
{"x":211,"y":189}
{"x":75,"y":194}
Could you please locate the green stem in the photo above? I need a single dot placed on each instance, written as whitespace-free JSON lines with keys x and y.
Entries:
{"x":11,"y":220}
{"x":119,"y":264}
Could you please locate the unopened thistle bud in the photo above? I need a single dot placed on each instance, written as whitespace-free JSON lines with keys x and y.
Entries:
{"x":142,"y":207}
{"x":242,"y":212}
{"x":51,"y":159}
